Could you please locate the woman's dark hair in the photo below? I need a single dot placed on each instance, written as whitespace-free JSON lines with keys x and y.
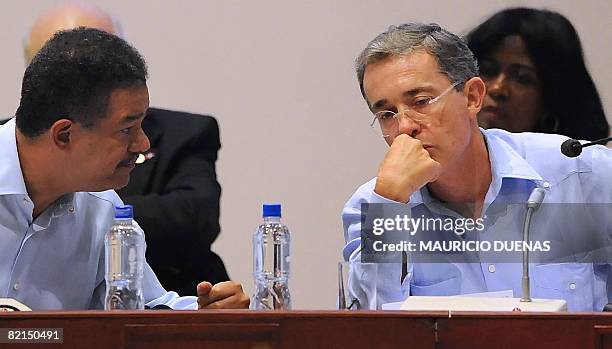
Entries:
{"x":72,"y":77}
{"x":570,"y":99}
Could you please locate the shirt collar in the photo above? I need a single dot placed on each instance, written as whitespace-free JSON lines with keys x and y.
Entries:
{"x":506,"y":162}
{"x":62,"y":206}
{"x":11,"y":177}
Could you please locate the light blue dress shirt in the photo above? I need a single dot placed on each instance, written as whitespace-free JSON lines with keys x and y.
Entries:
{"x":56,"y":261}
{"x":519,"y":162}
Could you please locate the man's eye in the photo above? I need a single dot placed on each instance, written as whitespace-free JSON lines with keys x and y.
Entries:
{"x":385,"y":115}
{"x":421,"y":102}
{"x":126,"y":130}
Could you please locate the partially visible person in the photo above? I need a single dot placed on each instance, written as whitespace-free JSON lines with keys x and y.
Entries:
{"x":532,"y":63}
{"x":77,"y":133}
{"x":421,"y":84}
{"x":173,"y":187}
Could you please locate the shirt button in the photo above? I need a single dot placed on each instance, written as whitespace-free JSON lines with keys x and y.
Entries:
{"x":572,"y":286}
{"x":546,"y":185}
{"x":491,"y":268}
{"x":16,"y":286}
{"x":71,"y":209}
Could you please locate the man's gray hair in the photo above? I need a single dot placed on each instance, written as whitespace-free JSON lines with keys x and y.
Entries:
{"x":455,"y":59}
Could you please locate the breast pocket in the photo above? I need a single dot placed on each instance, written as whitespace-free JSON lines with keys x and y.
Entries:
{"x":435,"y":279}
{"x":570,"y":281}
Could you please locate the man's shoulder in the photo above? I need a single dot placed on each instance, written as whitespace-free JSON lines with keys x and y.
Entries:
{"x":100,"y":207}
{"x":535,"y":148}
{"x":525,"y":142}
{"x":362,"y":194}
{"x":543,"y":153}
{"x":181,"y":128}
{"x":173,"y":119}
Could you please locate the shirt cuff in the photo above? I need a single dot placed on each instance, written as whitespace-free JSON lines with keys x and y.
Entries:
{"x":377,"y":199}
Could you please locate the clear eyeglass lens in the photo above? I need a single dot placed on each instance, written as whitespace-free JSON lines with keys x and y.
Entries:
{"x":388,"y":121}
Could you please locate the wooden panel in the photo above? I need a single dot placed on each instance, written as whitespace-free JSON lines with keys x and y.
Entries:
{"x":90,"y":333}
{"x":603,"y":336}
{"x":351,"y":333}
{"x":519,"y":331}
{"x":315,"y":329}
{"x":232,"y":329}
{"x":217,"y":336}
{"x":499,"y":334}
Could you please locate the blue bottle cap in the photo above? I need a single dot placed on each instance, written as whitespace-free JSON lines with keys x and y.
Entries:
{"x":272,"y":210}
{"x":124,"y":212}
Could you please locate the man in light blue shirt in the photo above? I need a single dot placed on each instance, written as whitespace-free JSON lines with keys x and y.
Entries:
{"x":76,"y":134}
{"x":421,"y":83}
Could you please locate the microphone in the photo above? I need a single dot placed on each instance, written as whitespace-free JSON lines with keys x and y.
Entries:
{"x":533,"y":203}
{"x":572,"y":148}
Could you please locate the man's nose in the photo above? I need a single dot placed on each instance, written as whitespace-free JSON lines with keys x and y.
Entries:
{"x":406,"y":124}
{"x":141,"y":142}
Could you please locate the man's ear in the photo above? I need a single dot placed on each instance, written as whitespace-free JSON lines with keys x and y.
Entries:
{"x":60,"y":132}
{"x":475,"y":90}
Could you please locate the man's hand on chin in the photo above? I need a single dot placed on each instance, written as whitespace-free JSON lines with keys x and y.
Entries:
{"x":405,"y":169}
{"x":224,"y":295}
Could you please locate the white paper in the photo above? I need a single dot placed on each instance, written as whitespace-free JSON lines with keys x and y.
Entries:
{"x":492,"y":294}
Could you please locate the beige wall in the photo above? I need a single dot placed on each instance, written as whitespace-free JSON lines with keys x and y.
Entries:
{"x":278,"y":76}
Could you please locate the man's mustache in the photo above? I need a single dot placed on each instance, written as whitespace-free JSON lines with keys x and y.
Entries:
{"x":129,"y":160}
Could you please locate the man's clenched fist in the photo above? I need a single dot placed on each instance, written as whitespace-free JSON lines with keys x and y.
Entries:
{"x":405,"y":169}
{"x":224,"y":295}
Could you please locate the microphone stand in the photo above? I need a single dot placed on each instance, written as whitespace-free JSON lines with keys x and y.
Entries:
{"x":533,"y":203}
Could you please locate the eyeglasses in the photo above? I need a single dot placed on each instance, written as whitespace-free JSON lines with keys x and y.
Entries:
{"x":419,"y":108}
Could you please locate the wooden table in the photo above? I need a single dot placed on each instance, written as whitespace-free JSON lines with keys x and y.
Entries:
{"x":316,"y":329}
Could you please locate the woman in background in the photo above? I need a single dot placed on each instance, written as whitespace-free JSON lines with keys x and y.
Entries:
{"x":531,"y":61}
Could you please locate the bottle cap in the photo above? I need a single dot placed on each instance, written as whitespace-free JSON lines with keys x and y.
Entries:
{"x":272,"y":210}
{"x":124,"y":212}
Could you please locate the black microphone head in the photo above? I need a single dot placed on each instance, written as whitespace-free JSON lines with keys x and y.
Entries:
{"x":571,"y":148}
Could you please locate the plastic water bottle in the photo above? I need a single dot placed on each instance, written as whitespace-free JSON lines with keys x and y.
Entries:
{"x":271,"y":259}
{"x":124,"y":250}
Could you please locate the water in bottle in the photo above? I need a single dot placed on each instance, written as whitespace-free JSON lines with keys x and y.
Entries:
{"x":271,"y":259}
{"x":124,"y":251}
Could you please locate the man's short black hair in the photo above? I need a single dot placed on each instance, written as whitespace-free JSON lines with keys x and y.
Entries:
{"x":72,"y":77}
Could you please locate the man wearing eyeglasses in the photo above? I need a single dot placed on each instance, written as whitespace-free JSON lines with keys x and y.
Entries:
{"x":421,"y":84}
